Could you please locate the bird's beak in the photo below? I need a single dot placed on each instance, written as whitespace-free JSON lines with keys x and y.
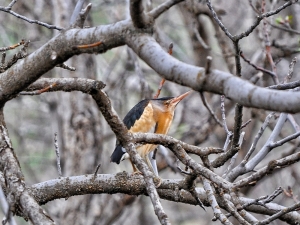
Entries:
{"x":177,"y":99}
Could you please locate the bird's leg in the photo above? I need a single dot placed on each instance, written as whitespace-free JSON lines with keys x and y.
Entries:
{"x":135,"y":170}
{"x":153,"y":161}
{"x":156,"y":178}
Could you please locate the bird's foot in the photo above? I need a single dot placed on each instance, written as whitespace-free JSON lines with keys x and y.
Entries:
{"x":157,"y":181}
{"x":136,"y":173}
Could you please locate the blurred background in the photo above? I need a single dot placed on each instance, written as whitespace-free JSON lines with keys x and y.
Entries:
{"x":85,"y":139}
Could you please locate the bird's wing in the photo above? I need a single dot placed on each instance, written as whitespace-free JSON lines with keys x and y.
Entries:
{"x":135,"y":113}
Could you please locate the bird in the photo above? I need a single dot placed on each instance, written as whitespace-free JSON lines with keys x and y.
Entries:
{"x":148,"y":116}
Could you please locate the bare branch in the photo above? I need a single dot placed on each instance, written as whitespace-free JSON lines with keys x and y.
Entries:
{"x":76,"y":11}
{"x":138,"y":16}
{"x":65,"y":66}
{"x":284,"y":140}
{"x":261,"y":17}
{"x":156,"y":12}
{"x":257,"y":67}
{"x":66,"y":84}
{"x":168,"y":141}
{"x":171,"y":69}
{"x":215,"y":16}
{"x":209,"y":109}
{"x":214,"y":204}
{"x":200,"y":39}
{"x":280,"y":213}
{"x":217,"y":82}
{"x":272,"y":165}
{"x":2,"y":49}
{"x":8,"y":10}
{"x":257,"y":137}
{"x":5,"y":208}
{"x":11,"y":4}
{"x":57,"y":155}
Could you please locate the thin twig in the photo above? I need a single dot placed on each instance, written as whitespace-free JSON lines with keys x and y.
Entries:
{"x":76,"y":11}
{"x":229,"y":133}
{"x":38,"y":92}
{"x":257,"y":67}
{"x":8,"y":10}
{"x":209,"y":109}
{"x":257,"y":137}
{"x":200,"y":39}
{"x":214,"y":204}
{"x":280,"y":213}
{"x":2,"y":49}
{"x":291,"y":70}
{"x":96,"y":171}
{"x":181,"y":170}
{"x":57,"y":155}
{"x":65,"y":66}
{"x":246,"y":123}
{"x":284,"y":140}
{"x":11,"y":4}
{"x":161,"y":84}
{"x":233,"y":159}
{"x":156,"y":12}
{"x":275,"y":164}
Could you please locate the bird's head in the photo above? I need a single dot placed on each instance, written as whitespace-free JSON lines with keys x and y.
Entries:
{"x":168,"y":104}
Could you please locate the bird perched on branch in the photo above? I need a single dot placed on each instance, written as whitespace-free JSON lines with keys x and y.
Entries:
{"x":148,"y":116}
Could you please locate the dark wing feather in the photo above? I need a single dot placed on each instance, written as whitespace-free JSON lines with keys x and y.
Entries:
{"x":117,"y":154}
{"x":133,"y":115}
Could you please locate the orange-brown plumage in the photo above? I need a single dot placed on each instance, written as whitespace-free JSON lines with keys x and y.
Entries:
{"x":148,"y":116}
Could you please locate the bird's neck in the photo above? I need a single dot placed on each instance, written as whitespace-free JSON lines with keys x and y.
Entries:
{"x":164,"y":121}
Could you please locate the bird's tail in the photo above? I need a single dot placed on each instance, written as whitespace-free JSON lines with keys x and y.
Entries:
{"x":119,"y":154}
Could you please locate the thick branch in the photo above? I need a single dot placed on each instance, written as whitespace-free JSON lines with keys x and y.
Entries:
{"x":217,"y":81}
{"x":102,"y":183}
{"x":63,"y":46}
{"x":135,"y":185}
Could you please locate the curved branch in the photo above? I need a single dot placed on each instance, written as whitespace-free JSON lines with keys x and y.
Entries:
{"x":156,"y":12}
{"x":219,"y":82}
{"x":63,"y":46}
{"x":169,"y":141}
{"x":138,"y":16}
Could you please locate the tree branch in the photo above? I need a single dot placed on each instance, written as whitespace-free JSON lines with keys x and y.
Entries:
{"x":156,"y":12}
{"x":138,"y":16}
{"x":169,"y":141}
{"x":17,"y":196}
